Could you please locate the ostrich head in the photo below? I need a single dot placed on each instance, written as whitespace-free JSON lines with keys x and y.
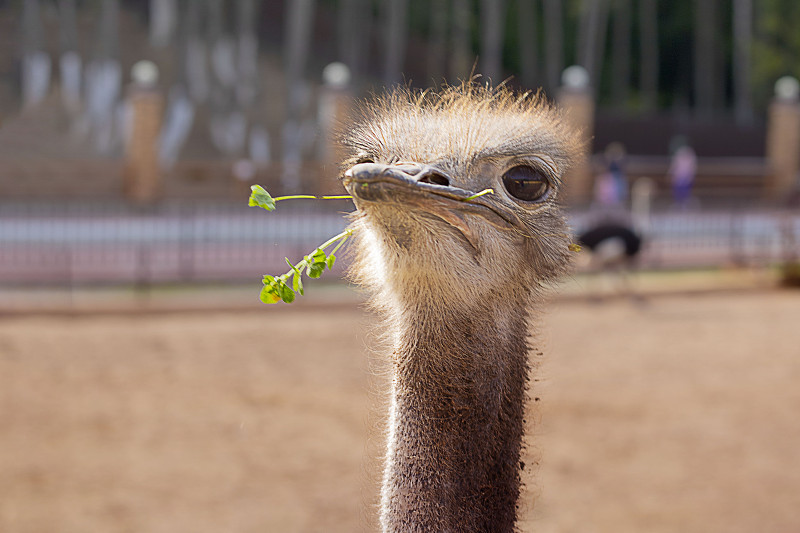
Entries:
{"x":418,"y":157}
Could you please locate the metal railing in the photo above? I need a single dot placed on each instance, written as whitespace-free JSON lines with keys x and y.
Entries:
{"x":90,"y":243}
{"x":713,"y":237}
{"x":179,"y":242}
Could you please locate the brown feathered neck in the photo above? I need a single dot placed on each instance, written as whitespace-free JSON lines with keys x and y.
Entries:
{"x":456,"y":421}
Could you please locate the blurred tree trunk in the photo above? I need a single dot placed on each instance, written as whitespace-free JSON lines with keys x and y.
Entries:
{"x":214,"y":16}
{"x":705,"y":79}
{"x":585,"y":12}
{"x":592,"y":38}
{"x":104,"y":80}
{"x":219,"y":57}
{"x":195,"y":50}
{"x":70,"y":63}
{"x":554,"y":43}
{"x":35,"y":61}
{"x":743,"y":41}
{"x":298,"y":43}
{"x":68,"y":26}
{"x":528,"y":46}
{"x":222,"y":57}
{"x":648,"y":54}
{"x":461,"y":55}
{"x":621,"y":52}
{"x":299,"y":22}
{"x":31,"y":26}
{"x":108,"y":31}
{"x":437,"y":40}
{"x":191,"y":83}
{"x":354,"y":33}
{"x":163,"y":21}
{"x":395,"y":32}
{"x":492,"y":36}
{"x":601,"y":35}
{"x":247,"y":53}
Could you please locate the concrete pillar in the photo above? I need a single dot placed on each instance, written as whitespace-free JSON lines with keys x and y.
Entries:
{"x":642,"y":193}
{"x":145,"y":110}
{"x":576,"y":100}
{"x":335,"y":103}
{"x":783,"y":140}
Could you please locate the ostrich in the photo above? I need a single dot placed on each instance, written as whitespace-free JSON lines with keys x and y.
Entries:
{"x":614,"y":245}
{"x":457,"y":278}
{"x":616,"y":240}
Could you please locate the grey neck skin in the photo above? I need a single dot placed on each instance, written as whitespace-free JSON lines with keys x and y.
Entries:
{"x":456,"y":421}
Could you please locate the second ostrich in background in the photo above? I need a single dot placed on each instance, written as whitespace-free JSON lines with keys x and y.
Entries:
{"x":613,"y":244}
{"x":458,"y":279}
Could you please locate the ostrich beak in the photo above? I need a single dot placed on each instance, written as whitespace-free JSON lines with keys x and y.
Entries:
{"x":359,"y":180}
{"x":426,"y":186}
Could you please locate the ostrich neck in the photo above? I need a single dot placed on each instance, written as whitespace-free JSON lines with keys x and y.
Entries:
{"x":456,"y":419}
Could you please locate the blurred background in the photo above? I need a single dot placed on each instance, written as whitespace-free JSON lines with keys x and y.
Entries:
{"x":130,"y":132}
{"x":144,"y":387}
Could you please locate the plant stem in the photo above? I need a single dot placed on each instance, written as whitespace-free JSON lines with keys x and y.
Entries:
{"x":476,"y":195}
{"x":295,"y":197}
{"x":304,"y":262}
{"x":310,"y":197}
{"x":343,"y":235}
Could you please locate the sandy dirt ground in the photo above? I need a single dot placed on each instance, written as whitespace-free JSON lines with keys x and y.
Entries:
{"x":679,"y":414}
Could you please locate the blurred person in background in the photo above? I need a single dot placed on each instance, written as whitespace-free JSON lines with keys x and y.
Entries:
{"x":682,"y":171}
{"x":611,"y":187}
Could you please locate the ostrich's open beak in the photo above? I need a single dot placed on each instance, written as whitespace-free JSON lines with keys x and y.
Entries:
{"x":425,"y":186}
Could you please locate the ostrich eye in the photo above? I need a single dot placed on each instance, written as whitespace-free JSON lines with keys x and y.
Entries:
{"x":525,"y":183}
{"x":364,"y":159}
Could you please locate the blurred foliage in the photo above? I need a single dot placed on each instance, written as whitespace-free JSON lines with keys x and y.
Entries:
{"x":776,"y":50}
{"x":775,"y":46}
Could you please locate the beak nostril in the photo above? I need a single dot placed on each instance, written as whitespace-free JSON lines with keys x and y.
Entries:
{"x":434,"y":178}
{"x":423,"y":173}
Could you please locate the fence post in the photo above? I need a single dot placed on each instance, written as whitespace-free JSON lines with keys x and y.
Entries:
{"x":735,"y":239}
{"x":145,"y":106}
{"x":790,"y":268}
{"x":783,"y":140}
{"x":186,"y":242}
{"x":575,"y":98}
{"x":335,"y":102}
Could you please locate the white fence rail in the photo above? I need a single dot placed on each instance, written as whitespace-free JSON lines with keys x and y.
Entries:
{"x":94,"y":243}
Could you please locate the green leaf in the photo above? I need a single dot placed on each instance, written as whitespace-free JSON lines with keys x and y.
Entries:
{"x":286,"y":294}
{"x":261,"y":198}
{"x":297,"y":283}
{"x":331,"y":260}
{"x":268,"y":295}
{"x":318,"y":256}
{"x":315,"y":270}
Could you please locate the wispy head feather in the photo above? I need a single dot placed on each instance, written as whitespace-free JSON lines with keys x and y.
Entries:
{"x":460,"y":124}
